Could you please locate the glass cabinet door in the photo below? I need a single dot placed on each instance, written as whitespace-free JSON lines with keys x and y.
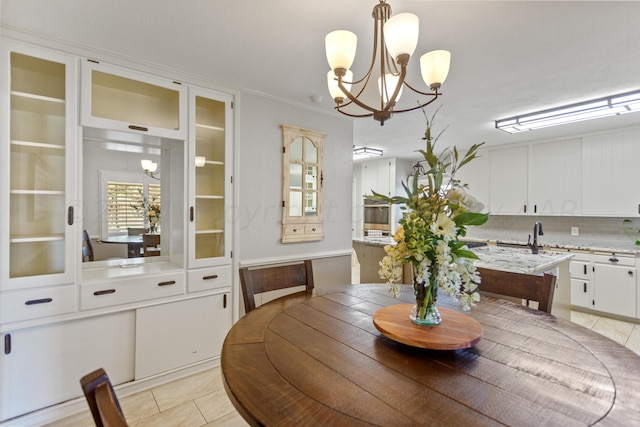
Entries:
{"x":211,"y":166}
{"x":41,"y":142}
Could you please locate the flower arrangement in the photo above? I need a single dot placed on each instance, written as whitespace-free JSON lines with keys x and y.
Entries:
{"x":435,"y":216}
{"x":149,"y":210}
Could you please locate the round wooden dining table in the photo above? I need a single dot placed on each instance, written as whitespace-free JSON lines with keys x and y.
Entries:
{"x":318,"y":359}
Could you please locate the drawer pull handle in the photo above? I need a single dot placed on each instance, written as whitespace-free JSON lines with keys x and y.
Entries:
{"x":585,"y":268}
{"x":38,"y":301}
{"x":167,"y":283}
{"x":213,"y":276}
{"x":7,"y":343}
{"x":584,"y":287}
{"x":313,"y":229}
{"x":613,"y":259}
{"x":140,"y":128}
{"x":105,"y":292}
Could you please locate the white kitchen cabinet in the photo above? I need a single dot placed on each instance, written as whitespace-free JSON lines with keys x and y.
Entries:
{"x":581,"y":269}
{"x":378,"y":176}
{"x":210,"y":182}
{"x":37,"y":164}
{"x":611,"y":174}
{"x":508,"y":181}
{"x":476,"y":175}
{"x":177,"y":334}
{"x":555,"y":178}
{"x":41,"y":366}
{"x":614,"y":284}
{"x":119,"y":99}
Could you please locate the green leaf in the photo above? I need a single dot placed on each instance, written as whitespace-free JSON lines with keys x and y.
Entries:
{"x":470,"y":218}
{"x":463,"y":253}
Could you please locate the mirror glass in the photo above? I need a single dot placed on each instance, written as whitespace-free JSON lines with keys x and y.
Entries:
{"x":122,"y":205}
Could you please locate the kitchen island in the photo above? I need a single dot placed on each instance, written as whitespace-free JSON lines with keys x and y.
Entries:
{"x":517,"y":260}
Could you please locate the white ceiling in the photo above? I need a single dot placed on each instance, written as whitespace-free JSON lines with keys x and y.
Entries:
{"x":508,"y":57}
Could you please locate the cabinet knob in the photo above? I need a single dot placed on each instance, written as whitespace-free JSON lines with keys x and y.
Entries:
{"x":630,"y":273}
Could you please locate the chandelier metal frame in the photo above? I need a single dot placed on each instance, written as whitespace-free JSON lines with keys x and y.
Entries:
{"x":387,"y":66}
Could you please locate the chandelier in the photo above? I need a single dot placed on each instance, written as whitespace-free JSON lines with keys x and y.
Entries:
{"x":395,"y":40}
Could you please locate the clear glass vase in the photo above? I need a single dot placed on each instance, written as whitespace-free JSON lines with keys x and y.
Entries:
{"x":424,"y":312}
{"x":431,"y":316}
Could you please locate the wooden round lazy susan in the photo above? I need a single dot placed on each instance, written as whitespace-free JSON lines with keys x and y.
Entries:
{"x":456,"y":331}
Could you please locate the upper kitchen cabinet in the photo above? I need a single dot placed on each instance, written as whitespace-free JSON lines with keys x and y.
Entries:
{"x":123,"y":100}
{"x":610,"y":174}
{"x":509,"y":180}
{"x":301,"y":184}
{"x":379,"y":176}
{"x":38,"y":141}
{"x":476,"y":175}
{"x":556,"y":170}
{"x":210,"y":158}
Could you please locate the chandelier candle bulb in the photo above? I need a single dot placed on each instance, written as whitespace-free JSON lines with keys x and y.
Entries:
{"x":341,"y":48}
{"x":435,"y":67}
{"x":401,"y":35}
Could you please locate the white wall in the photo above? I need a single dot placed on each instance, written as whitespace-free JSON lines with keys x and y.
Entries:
{"x":258,"y":181}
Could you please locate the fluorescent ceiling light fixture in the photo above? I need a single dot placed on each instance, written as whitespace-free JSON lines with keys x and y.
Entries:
{"x":603,"y":107}
{"x":363,"y":152}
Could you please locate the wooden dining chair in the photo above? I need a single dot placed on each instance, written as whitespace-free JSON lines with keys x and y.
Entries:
{"x":102,"y":400}
{"x":528,"y":287}
{"x":258,"y":280}
{"x":87,"y":247}
{"x":150,"y":243}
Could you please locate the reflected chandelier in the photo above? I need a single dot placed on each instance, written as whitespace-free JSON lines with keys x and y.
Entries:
{"x":395,"y":40}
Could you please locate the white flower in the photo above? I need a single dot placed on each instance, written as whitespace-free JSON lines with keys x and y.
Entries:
{"x":460,"y":196}
{"x":444,"y":226}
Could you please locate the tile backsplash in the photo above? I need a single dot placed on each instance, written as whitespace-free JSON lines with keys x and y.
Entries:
{"x":593,"y":231}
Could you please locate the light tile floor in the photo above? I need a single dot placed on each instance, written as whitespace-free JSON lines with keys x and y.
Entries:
{"x":193,"y":401}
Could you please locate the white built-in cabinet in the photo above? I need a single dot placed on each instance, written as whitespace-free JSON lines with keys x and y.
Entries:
{"x":611,"y":174}
{"x":210,"y":180}
{"x":119,"y":99}
{"x":476,"y":175}
{"x":42,"y":365}
{"x":39,"y":120}
{"x":136,"y":318}
{"x":509,"y":180}
{"x":605,"y":282}
{"x":555,"y":184}
{"x":536,"y":179}
{"x":378,"y":176}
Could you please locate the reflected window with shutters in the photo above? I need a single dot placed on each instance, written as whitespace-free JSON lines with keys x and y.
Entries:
{"x":302,"y":184}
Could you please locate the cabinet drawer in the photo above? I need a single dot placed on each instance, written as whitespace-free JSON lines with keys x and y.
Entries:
{"x":615,"y":259}
{"x":35,"y":303}
{"x":209,"y":278}
{"x":313,"y":229}
{"x":115,"y":292}
{"x":580,"y":270}
{"x":294,"y":229}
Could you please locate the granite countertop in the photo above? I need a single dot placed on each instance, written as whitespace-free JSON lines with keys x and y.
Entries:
{"x":517,"y":260}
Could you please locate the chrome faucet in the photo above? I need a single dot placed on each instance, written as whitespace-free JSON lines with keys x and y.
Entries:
{"x":537,"y":231}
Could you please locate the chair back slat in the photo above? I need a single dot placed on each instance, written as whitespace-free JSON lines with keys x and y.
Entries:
{"x":517,"y":285}
{"x":258,"y":280}
{"x":102,"y":400}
